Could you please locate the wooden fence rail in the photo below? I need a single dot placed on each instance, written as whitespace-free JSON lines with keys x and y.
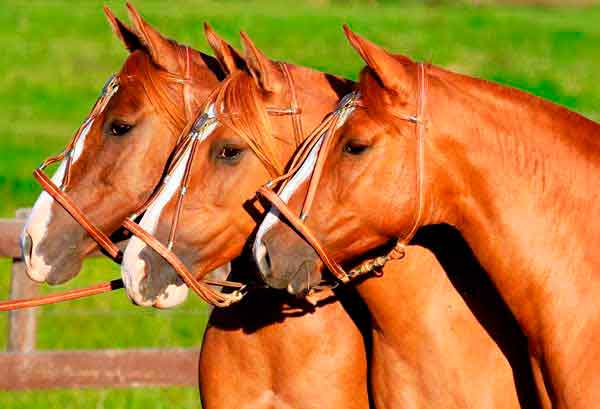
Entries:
{"x":23,"y":367}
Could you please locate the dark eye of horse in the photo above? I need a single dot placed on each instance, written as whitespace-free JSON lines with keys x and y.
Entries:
{"x":119,"y":128}
{"x":354,"y":148}
{"x":229,"y":152}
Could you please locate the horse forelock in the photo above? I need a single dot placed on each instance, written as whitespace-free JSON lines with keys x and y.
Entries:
{"x":240,"y":107}
{"x":161,"y":87}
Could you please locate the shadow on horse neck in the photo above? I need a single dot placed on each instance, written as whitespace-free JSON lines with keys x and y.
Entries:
{"x":266,"y":306}
{"x":485,"y":303}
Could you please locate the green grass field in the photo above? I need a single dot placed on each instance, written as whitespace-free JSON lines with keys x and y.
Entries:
{"x":56,"y":55}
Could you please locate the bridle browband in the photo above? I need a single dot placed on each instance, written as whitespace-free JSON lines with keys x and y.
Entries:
{"x":323,"y":135}
{"x":200,"y":128}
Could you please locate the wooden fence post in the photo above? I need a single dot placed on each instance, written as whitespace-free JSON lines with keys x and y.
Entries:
{"x":21,"y":324}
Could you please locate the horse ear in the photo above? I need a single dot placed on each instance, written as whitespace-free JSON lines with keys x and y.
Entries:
{"x":228,"y":57}
{"x":265,"y":71}
{"x":129,"y":39}
{"x":392,"y":74}
{"x":163,"y":51}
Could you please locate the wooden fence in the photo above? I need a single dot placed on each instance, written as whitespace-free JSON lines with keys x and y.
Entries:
{"x":24,"y":367}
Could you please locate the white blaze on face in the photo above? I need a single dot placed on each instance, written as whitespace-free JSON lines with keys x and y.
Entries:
{"x":133,"y":266}
{"x":78,"y":149}
{"x":41,"y":214}
{"x":301,"y":175}
{"x":174,"y":295}
{"x":293,"y":184}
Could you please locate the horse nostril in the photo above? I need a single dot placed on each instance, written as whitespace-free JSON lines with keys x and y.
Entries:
{"x":26,"y":248}
{"x":265,"y":266}
{"x":267,"y":259}
{"x":144,"y":265}
{"x":263,"y":260}
{"x":134,"y":301}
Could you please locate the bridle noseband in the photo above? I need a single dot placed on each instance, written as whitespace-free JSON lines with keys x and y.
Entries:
{"x":323,"y":135}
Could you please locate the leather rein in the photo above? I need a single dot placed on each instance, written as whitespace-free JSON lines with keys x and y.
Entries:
{"x":323,"y":135}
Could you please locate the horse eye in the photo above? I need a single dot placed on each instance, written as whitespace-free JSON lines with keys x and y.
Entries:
{"x":354,"y":148}
{"x":229,"y":152}
{"x":119,"y":128}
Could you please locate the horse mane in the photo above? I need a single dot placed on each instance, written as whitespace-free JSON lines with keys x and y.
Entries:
{"x":240,"y":107}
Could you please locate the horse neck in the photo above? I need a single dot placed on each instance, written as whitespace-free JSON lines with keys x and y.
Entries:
{"x":517,"y":172}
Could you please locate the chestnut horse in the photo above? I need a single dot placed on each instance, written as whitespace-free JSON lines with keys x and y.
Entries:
{"x":444,"y":358}
{"x":121,"y":159}
{"x":516,"y":175}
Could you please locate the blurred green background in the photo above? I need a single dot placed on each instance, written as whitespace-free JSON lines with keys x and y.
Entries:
{"x":55,"y":56}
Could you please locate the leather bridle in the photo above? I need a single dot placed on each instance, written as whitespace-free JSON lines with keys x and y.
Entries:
{"x":198,"y":132}
{"x":59,"y":193}
{"x":323,"y":135}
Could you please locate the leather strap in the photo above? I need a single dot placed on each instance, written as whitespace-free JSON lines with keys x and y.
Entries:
{"x":186,"y":88}
{"x":210,"y":296}
{"x":184,"y":187}
{"x":421,"y":125}
{"x":61,"y":296}
{"x":296,"y":118}
{"x":305,"y":232}
{"x":67,"y":203}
